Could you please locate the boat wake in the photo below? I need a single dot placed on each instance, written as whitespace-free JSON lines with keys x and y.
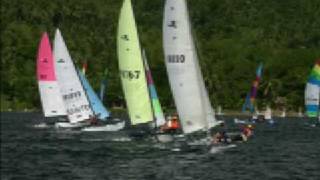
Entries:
{"x":219,"y":148}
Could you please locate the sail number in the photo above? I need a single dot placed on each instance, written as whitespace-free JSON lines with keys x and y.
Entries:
{"x":127,"y":74}
{"x":176,"y":58}
{"x":78,"y":109}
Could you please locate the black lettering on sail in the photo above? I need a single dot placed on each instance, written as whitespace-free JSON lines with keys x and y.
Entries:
{"x":176,"y":58}
{"x":43,"y":76}
{"x":172,"y":24}
{"x":125,"y":37}
{"x":61,"y":61}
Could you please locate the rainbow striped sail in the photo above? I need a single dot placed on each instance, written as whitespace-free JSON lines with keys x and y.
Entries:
{"x":156,"y":106}
{"x":312,"y":91}
{"x":251,"y":96}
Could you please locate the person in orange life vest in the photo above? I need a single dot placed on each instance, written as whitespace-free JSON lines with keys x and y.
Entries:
{"x":174,"y":123}
{"x":171,"y":125}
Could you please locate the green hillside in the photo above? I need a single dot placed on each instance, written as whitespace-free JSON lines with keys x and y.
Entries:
{"x":232,"y":37}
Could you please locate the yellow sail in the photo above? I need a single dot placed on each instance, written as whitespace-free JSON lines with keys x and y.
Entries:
{"x":131,"y":68}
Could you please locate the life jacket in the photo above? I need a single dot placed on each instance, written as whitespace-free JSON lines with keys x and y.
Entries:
{"x":174,"y":124}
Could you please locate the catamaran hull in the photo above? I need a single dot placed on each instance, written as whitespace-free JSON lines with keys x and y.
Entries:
{"x":68,"y":125}
{"x":105,"y":128}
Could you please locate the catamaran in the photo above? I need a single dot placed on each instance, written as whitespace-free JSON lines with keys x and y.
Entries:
{"x":74,"y":97}
{"x":185,"y":76}
{"x":51,"y":100}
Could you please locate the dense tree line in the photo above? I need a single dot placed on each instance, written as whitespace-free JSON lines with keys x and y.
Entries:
{"x":232,"y":38}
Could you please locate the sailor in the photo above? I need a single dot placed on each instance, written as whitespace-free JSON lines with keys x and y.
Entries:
{"x":172,"y":125}
{"x":220,"y":137}
{"x":93,"y":120}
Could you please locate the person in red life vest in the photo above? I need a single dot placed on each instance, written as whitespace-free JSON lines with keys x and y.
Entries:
{"x":172,"y":124}
{"x":247,"y":132}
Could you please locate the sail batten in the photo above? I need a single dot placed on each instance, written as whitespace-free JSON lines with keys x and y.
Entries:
{"x":73,"y":94}
{"x":131,"y":68}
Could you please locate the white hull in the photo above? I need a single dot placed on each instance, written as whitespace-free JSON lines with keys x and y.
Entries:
{"x":105,"y":128}
{"x":41,"y":126}
{"x":68,"y":125}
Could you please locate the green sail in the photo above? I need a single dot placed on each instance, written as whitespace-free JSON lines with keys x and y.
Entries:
{"x":131,"y":67}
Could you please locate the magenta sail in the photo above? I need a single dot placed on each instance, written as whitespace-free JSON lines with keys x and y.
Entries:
{"x":50,"y":96}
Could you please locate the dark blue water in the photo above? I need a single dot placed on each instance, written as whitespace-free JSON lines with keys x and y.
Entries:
{"x":289,"y":150}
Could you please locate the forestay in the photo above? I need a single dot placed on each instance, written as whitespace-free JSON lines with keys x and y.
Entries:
{"x":73,"y":94}
{"x":131,"y":68}
{"x":51,"y":100}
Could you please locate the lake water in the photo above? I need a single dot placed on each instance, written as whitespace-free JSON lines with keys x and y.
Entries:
{"x":288,"y":150}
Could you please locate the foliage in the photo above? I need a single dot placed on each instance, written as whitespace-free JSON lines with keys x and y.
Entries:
{"x":232,"y":37}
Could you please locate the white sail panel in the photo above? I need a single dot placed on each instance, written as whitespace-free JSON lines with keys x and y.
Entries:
{"x":182,"y":67}
{"x":73,"y":94}
{"x":51,"y":100}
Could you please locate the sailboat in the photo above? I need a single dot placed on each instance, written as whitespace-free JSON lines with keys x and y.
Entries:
{"x":98,"y":108}
{"x":51,"y":100}
{"x":312,"y":92}
{"x":185,"y":77}
{"x":251,"y":96}
{"x":75,"y":99}
{"x":133,"y":77}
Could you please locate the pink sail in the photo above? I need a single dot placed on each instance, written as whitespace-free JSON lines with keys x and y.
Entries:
{"x":51,"y":99}
{"x":45,"y":64}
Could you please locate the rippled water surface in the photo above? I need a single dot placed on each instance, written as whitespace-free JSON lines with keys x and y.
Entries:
{"x":289,"y":150}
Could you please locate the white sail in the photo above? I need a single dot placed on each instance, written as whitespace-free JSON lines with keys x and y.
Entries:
{"x":268,"y":113}
{"x":183,"y":69}
{"x":73,"y":94}
{"x":210,"y":114}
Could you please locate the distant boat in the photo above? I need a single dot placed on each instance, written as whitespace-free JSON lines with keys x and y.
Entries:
{"x":251,"y":96}
{"x":220,"y":111}
{"x":51,"y":99}
{"x":133,"y":78}
{"x":75,"y":99}
{"x":283,"y":114}
{"x":312,"y":92}
{"x":268,"y":113}
{"x":185,"y":77}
